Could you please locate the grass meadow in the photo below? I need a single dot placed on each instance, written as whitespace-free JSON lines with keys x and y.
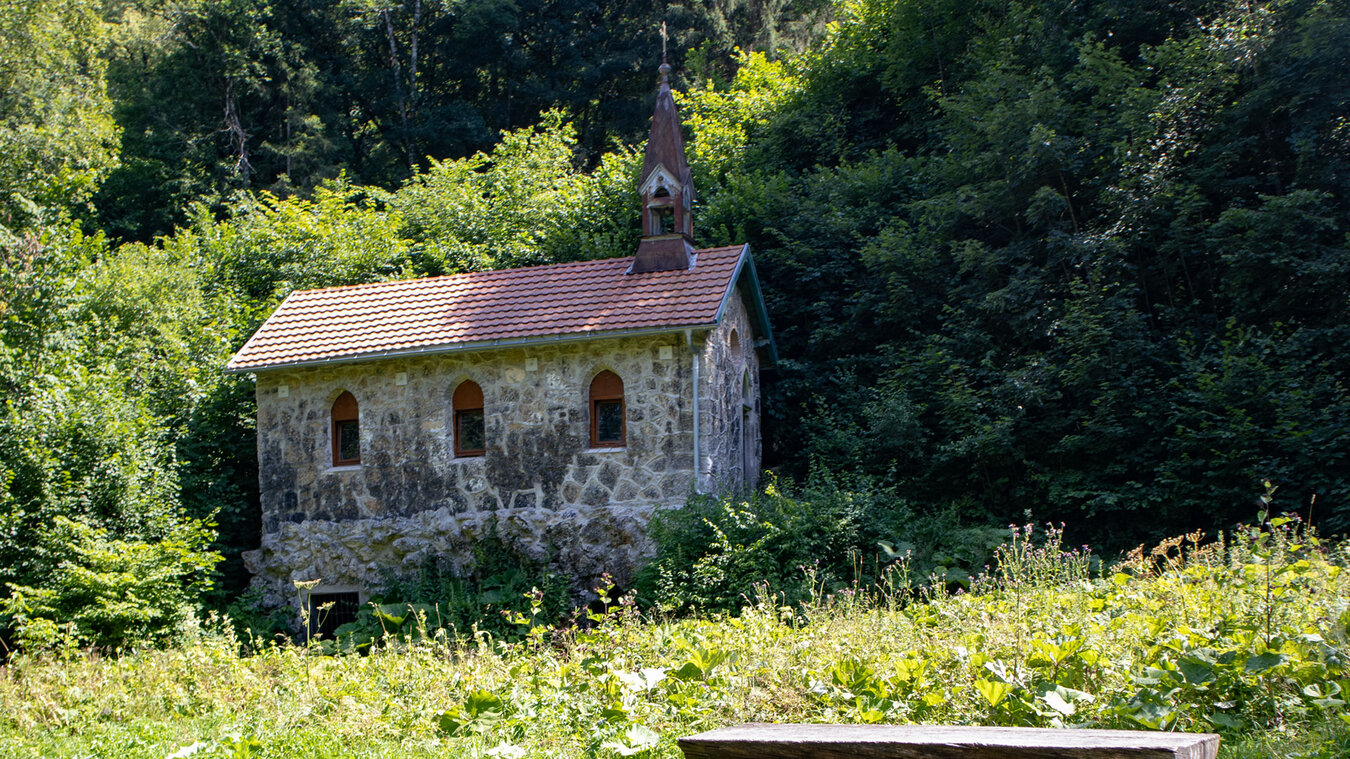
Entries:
{"x":1245,"y":635}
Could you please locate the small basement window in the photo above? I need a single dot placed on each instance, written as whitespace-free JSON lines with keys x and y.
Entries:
{"x":329,"y":611}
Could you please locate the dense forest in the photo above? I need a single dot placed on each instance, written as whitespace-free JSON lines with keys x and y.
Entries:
{"x":1074,"y":261}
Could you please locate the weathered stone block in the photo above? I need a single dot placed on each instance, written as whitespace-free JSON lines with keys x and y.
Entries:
{"x":627,"y":491}
{"x":595,"y":495}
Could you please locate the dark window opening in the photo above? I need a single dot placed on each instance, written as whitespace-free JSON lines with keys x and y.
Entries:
{"x":469,"y":426}
{"x":329,"y":611}
{"x":349,"y":442}
{"x":661,"y":214}
{"x":609,"y":422}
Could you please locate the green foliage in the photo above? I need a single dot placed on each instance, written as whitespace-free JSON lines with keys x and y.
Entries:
{"x":1245,"y":636}
{"x":214,"y":97}
{"x":270,"y":246}
{"x":713,"y":551}
{"x":523,"y":204}
{"x":795,"y":544}
{"x":722,"y":120}
{"x":504,"y":591}
{"x":1060,"y":259}
{"x":112,"y":592}
{"x":57,"y":134}
{"x":481,"y":711}
{"x":96,"y":367}
{"x":256,"y":624}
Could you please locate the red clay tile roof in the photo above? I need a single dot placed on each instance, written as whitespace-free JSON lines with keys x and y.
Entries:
{"x":582,"y":298}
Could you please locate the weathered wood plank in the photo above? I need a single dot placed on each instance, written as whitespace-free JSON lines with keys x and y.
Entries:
{"x":766,"y":741}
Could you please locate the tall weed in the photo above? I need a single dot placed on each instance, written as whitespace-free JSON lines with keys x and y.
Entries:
{"x":1243,"y":634}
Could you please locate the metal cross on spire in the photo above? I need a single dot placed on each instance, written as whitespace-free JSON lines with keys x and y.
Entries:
{"x":663,"y":42}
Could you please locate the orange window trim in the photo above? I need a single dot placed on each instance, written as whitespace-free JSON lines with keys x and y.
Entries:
{"x":608,"y":387}
{"x":345,"y":409}
{"x":468,"y":397}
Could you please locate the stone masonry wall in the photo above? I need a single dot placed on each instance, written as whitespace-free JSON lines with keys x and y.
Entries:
{"x":540,"y":484}
{"x":729,"y":425}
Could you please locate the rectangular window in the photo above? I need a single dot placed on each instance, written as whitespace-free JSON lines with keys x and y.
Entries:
{"x":471,"y":440}
{"x":348,"y":435}
{"x":329,"y":611}
{"x":609,"y":422}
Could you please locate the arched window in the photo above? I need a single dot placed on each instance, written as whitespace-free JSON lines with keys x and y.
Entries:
{"x":470,"y":437}
{"x":607,"y":411}
{"x":346,"y":431}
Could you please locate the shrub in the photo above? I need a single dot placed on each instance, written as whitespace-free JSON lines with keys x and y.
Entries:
{"x":795,"y":542}
{"x":113,"y":592}
{"x":503,"y":584}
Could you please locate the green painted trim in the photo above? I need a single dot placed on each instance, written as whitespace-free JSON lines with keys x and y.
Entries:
{"x":747,"y":279}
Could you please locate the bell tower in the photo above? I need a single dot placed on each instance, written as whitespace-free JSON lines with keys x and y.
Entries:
{"x":667,"y":190}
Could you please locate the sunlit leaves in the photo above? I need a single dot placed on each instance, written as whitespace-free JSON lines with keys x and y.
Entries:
{"x":524,"y":203}
{"x":114,"y":592}
{"x":724,"y":120}
{"x":57,"y":135}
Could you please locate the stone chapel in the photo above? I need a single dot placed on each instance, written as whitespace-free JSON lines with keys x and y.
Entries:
{"x":562,"y":404}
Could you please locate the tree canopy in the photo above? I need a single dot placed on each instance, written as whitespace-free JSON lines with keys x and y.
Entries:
{"x":57,"y":134}
{"x":1087,"y":262}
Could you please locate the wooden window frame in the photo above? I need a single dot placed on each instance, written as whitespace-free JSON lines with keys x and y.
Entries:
{"x":607,"y":393}
{"x":345,"y":410}
{"x":468,"y":397}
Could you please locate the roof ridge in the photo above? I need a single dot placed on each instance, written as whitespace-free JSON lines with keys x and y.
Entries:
{"x":481,"y":272}
{"x":458,"y":274}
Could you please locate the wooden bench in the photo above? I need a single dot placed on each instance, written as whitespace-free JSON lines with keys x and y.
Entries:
{"x":765,"y":741}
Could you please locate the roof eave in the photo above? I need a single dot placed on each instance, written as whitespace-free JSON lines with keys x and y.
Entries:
{"x":745,"y":276}
{"x":229,"y":369}
{"x":477,"y":345}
